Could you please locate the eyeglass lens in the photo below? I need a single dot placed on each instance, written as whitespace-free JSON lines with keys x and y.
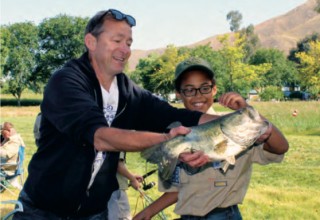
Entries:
{"x":193,"y":91}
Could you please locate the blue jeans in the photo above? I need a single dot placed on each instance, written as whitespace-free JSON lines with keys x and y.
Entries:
{"x":229,"y":213}
{"x":31,"y":212}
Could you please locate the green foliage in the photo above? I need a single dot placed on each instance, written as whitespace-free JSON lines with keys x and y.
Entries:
{"x":157,"y":72}
{"x":310,"y":67}
{"x":20,"y":45}
{"x":163,"y":78}
{"x":4,"y":48}
{"x":252,"y":42}
{"x":302,"y":46}
{"x":61,"y":38}
{"x":281,"y":73}
{"x":241,"y":76}
{"x":270,"y":93}
{"x":144,"y":71}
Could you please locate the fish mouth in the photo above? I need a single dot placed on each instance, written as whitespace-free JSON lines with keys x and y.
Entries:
{"x":245,"y":127}
{"x":252,"y":113}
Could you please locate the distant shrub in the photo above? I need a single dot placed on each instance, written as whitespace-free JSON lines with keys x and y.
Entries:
{"x":270,"y":93}
{"x":24,"y":102}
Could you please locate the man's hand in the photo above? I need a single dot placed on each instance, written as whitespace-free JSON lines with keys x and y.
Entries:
{"x":180,"y":130}
{"x":195,"y":159}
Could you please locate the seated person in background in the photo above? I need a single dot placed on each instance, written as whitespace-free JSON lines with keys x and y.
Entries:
{"x":9,"y":148}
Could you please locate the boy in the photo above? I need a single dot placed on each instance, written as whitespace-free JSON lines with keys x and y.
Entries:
{"x":212,"y":194}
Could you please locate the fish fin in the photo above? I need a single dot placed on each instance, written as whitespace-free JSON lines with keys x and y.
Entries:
{"x":225,"y":167}
{"x":165,"y":161}
{"x":174,"y":125}
{"x":153,"y":154}
{"x":231,"y":160}
{"x":166,"y":168}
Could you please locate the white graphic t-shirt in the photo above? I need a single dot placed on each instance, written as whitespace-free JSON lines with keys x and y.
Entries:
{"x":110,"y":106}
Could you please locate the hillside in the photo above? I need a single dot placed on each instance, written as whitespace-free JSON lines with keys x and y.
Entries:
{"x":282,"y":32}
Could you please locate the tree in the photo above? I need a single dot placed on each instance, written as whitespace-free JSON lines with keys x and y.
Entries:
{"x":241,"y":76}
{"x":282,"y":72}
{"x":4,"y":49}
{"x":302,"y":46}
{"x":144,"y":71}
{"x":61,"y":38}
{"x":164,"y":76}
{"x":251,"y":41}
{"x":310,"y":68}
{"x":235,"y":19}
{"x":20,"y":44}
{"x":157,"y":72}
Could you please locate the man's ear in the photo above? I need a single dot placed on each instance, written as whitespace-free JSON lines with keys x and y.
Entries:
{"x":90,"y":41}
{"x":178,"y":95}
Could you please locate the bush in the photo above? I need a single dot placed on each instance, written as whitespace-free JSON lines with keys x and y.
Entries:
{"x":24,"y":102}
{"x":271,"y":92}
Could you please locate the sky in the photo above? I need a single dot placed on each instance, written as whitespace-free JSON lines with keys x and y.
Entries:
{"x":159,"y":22}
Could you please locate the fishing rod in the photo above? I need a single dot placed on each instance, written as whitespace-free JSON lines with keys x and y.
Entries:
{"x":146,"y":186}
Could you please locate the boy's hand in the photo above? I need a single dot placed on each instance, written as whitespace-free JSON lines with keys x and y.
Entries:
{"x":233,"y":101}
{"x":195,"y":159}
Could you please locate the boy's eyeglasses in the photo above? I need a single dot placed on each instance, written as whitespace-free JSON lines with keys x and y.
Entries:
{"x":193,"y":91}
{"x":118,"y":15}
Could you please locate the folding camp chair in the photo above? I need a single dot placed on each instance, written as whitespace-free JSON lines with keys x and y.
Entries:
{"x":7,"y":181}
{"x":18,"y":208}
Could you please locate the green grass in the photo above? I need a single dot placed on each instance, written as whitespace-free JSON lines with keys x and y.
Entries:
{"x":278,"y":191}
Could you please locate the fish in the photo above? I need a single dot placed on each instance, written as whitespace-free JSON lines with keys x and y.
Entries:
{"x":221,"y":139}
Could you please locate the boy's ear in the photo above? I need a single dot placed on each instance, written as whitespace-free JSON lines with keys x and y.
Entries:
{"x":214,"y":90}
{"x":90,"y":41}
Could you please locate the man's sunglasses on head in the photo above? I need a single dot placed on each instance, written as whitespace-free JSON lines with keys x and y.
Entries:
{"x":118,"y":15}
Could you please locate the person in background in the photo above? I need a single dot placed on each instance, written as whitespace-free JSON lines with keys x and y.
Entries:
{"x":9,"y":150}
{"x":36,"y":129}
{"x":118,"y":206}
{"x":10,"y":147}
{"x":212,"y":194}
{"x":90,"y":112}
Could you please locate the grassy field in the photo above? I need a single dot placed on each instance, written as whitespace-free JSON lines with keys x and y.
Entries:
{"x":279,"y":191}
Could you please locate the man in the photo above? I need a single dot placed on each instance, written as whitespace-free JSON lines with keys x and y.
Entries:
{"x":90,"y":112}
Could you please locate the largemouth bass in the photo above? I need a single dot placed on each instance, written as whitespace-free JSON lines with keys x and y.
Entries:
{"x":221,"y":139}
